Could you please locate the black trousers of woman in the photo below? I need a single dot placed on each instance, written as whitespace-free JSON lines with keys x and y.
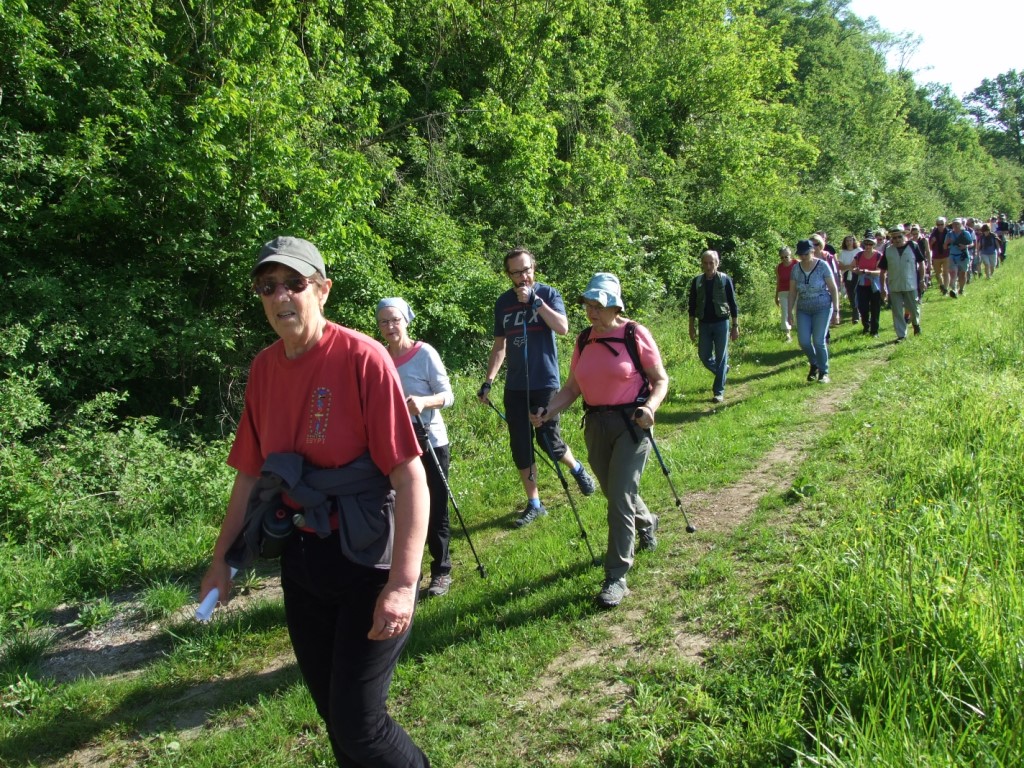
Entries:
{"x":329,"y":604}
{"x":870,"y":305}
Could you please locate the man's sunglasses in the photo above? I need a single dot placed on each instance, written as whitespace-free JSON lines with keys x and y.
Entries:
{"x":291,"y":284}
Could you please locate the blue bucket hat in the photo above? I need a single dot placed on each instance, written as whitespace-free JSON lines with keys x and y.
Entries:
{"x":804,"y":246}
{"x":604,"y":288}
{"x":400,"y":304}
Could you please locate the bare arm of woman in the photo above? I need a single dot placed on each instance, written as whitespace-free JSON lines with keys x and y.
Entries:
{"x":397,"y":600}
{"x":219,"y":573}
{"x":659,"y":389}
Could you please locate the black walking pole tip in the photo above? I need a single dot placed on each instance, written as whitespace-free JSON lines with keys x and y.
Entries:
{"x":690,"y":529}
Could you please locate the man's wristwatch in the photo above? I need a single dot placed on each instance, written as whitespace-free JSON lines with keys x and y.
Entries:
{"x":537,"y":302}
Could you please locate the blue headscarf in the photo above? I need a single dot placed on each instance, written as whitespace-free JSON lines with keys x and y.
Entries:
{"x":400,"y":304}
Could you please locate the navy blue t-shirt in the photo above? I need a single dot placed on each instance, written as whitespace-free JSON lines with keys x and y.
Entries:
{"x":539,"y":343}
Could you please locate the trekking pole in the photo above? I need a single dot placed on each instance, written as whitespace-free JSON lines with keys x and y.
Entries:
{"x":529,"y":424}
{"x":565,"y":485}
{"x":502,"y":417}
{"x":451,"y":497}
{"x":679,"y":502}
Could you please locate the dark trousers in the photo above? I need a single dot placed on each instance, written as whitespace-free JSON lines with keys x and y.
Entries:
{"x":870,"y":305}
{"x":329,"y":604}
{"x":438,"y":527}
{"x":521,"y":431}
{"x":851,"y":294}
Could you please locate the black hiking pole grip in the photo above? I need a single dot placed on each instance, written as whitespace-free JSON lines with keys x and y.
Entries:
{"x":451,"y":496}
{"x":664,"y":469}
{"x":565,"y":485}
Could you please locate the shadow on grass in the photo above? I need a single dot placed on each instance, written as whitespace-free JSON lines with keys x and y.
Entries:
{"x":149,"y":711}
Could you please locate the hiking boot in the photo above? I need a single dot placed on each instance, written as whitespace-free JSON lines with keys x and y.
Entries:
{"x":952,"y":293}
{"x":648,"y":537}
{"x":530,"y":513}
{"x":824,"y":379}
{"x":718,"y":399}
{"x":813,"y":374}
{"x":585,"y":482}
{"x":917,"y":330}
{"x":439,"y":585}
{"x":612,"y":592}
{"x":944,"y":290}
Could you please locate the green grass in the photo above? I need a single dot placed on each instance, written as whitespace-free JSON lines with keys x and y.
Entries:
{"x":870,"y":614}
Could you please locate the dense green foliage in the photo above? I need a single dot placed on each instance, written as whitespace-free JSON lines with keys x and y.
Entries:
{"x":147,"y":150}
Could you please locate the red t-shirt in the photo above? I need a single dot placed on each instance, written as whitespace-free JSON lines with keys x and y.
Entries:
{"x":329,"y":404}
{"x":605,"y":379}
{"x":782,"y":273}
{"x":867,"y":260}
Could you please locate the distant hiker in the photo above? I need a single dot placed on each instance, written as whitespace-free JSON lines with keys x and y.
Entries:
{"x":958,"y":241}
{"x":815,"y":295}
{"x":902,"y":268}
{"x":847,"y":253}
{"x":940,"y":254}
{"x":617,"y":368}
{"x":782,"y":273}
{"x":427,"y":389}
{"x":323,"y":404}
{"x":989,"y":246}
{"x":526,"y":319}
{"x":869,"y":284}
{"x":917,"y":237}
{"x":713,"y":320}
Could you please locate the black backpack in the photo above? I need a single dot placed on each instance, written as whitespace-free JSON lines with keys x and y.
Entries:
{"x":629,"y":342}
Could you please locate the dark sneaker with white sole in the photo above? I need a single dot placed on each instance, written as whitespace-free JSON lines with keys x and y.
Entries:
{"x":612,"y":592}
{"x":530,"y":513}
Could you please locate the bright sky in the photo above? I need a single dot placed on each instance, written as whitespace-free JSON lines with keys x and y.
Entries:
{"x":949,"y":53}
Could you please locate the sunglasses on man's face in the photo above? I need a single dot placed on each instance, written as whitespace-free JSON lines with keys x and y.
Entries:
{"x":269,"y":287}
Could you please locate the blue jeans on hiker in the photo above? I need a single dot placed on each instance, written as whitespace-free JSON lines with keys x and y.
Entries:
{"x":811,"y":328}
{"x":713,"y":351}
{"x":328,"y":605}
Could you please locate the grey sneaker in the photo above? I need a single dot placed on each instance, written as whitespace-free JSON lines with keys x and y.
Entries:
{"x":530,"y":513}
{"x":439,"y":585}
{"x":648,"y":537}
{"x":612,"y":592}
{"x":718,"y":399}
{"x":585,"y":482}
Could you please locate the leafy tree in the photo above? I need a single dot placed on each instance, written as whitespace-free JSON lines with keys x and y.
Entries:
{"x":998,"y":106}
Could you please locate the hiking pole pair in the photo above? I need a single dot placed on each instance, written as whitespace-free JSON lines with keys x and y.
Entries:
{"x":679,"y":502}
{"x":565,"y":485}
{"x":451,"y":496}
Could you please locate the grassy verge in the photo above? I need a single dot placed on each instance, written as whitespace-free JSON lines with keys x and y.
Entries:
{"x":869,"y":613}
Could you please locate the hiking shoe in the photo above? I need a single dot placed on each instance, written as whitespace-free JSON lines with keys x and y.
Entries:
{"x":824,"y":379}
{"x":813,"y":374}
{"x":944,"y":290}
{"x":648,"y":537}
{"x":439,"y":585}
{"x":718,"y":399}
{"x":612,"y":592}
{"x":585,"y":482}
{"x":952,"y":293}
{"x":917,"y":330}
{"x":530,"y":513}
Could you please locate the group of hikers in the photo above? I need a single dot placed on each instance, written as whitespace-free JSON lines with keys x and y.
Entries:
{"x":890,"y":267}
{"x":342,"y":455}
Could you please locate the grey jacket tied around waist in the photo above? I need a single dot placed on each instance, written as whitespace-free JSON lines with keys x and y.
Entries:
{"x":359,"y":491}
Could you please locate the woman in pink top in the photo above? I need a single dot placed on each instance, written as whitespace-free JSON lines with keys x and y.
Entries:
{"x":617,"y":368}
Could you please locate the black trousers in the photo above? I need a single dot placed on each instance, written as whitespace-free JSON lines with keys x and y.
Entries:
{"x":870,"y":305}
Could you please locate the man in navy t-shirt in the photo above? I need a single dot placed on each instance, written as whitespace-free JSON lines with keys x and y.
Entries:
{"x":526,"y":319}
